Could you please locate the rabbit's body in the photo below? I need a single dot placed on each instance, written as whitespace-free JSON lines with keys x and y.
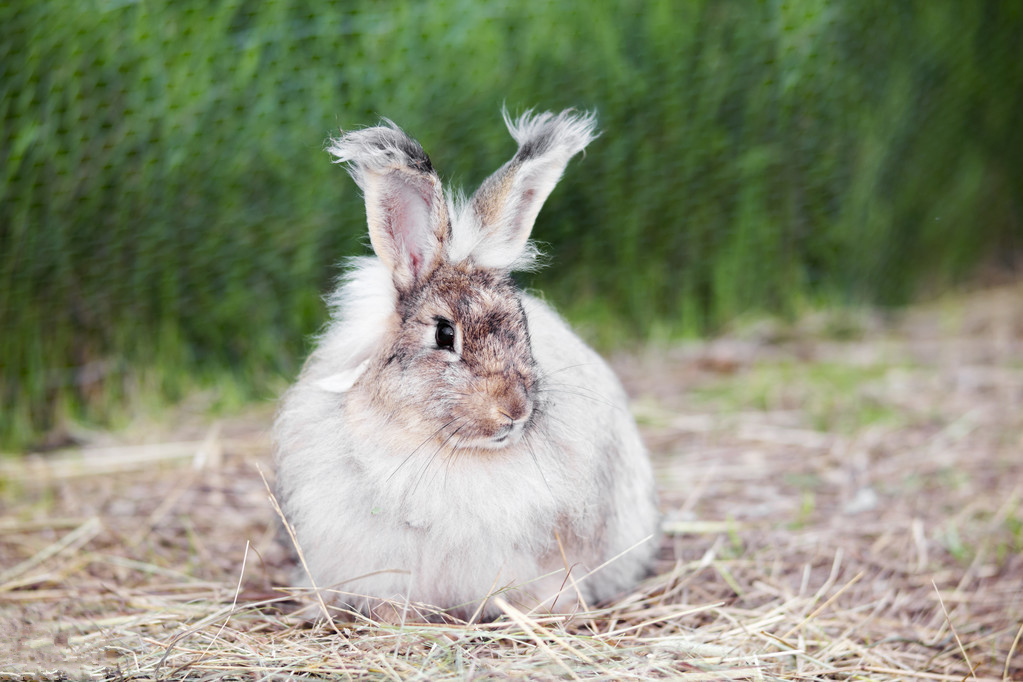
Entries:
{"x":451,"y":437}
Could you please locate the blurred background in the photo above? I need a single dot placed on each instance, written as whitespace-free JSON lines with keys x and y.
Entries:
{"x":169,"y":220}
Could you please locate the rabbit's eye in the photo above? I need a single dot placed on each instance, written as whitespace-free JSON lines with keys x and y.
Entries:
{"x":445,"y":335}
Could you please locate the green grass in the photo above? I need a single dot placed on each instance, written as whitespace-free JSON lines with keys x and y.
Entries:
{"x":167,"y":211}
{"x":834,"y":397}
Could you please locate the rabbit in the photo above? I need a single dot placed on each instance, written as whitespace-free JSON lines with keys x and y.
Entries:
{"x":450,"y":438}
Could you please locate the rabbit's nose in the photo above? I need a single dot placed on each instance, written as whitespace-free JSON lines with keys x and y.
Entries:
{"x":512,"y":414}
{"x":515,"y":407}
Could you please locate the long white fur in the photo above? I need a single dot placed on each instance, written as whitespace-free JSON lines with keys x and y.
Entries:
{"x":364,"y":299}
{"x":378,"y":519}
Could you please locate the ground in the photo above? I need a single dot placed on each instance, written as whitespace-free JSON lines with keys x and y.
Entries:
{"x":843,"y":499}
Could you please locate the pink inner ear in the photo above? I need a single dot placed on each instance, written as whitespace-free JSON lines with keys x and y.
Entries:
{"x":408,"y":216}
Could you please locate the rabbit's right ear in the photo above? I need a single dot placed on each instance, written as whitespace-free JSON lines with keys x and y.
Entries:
{"x":505,"y":206}
{"x":405,"y":208}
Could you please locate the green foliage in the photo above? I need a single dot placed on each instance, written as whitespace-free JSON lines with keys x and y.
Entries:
{"x":167,"y":212}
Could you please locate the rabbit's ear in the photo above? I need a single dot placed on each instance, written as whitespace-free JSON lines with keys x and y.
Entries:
{"x":507,"y":203}
{"x":405,"y":207}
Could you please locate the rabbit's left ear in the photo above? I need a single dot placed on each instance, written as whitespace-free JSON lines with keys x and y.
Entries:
{"x":405,"y":208}
{"x":505,"y":206}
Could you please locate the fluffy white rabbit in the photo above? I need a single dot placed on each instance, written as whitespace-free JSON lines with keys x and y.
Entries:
{"x":451,"y":438}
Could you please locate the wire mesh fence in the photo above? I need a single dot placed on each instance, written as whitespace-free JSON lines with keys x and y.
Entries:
{"x":168,"y":217}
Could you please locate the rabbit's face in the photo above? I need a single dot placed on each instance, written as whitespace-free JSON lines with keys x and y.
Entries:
{"x":460,"y":371}
{"x":456,"y":367}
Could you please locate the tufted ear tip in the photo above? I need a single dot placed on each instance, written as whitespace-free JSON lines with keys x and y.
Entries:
{"x":505,"y":207}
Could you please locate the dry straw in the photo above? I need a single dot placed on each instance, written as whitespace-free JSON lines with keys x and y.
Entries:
{"x":835,"y":509}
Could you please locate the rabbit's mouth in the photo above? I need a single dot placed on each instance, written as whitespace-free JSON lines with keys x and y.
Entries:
{"x":504,"y":437}
{"x":507,"y":435}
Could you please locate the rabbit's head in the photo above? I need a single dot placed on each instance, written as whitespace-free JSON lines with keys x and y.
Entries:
{"x":453,"y":362}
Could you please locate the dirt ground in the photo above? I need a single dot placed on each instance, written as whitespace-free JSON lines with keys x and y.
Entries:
{"x":843,"y":499}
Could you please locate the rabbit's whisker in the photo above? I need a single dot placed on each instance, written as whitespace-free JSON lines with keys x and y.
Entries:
{"x":419,"y":447}
{"x":578,"y":391}
{"x":429,"y":462}
{"x":547,"y":375}
{"x":539,"y":469}
{"x":545,"y":428}
{"x":452,"y":455}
